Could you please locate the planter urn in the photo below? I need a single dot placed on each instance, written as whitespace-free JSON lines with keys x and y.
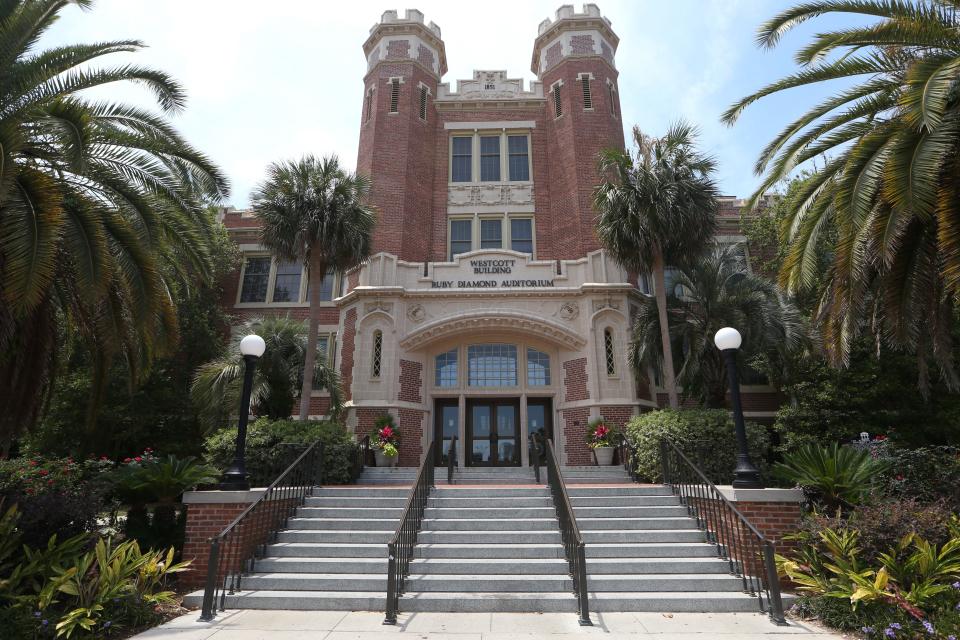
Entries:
{"x":383,"y":460}
{"x":604,"y":456}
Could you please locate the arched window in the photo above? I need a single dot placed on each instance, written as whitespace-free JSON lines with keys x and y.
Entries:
{"x":377,"y":360}
{"x":608,"y":352}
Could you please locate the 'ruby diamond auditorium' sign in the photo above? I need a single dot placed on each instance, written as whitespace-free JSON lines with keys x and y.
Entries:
{"x":491,"y":270}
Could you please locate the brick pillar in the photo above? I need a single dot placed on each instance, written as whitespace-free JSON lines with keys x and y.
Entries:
{"x":208,"y":513}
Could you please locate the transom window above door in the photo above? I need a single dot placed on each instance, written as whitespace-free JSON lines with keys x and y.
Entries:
{"x":493,"y":365}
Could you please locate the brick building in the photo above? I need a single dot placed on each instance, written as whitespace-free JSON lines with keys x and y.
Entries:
{"x":488,"y":311}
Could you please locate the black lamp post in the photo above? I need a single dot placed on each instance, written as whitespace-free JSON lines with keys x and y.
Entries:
{"x":746,"y":476}
{"x":235,"y":478}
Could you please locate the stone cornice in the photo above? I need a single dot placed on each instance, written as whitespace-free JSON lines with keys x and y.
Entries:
{"x":477,"y":321}
{"x":478,"y":105}
{"x":382,"y":30}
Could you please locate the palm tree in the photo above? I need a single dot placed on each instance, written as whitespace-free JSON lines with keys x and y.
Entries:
{"x":101,"y":210}
{"x":217,"y":385}
{"x":714,"y":292}
{"x":887,"y":197}
{"x":314,"y":212}
{"x":657,"y":207}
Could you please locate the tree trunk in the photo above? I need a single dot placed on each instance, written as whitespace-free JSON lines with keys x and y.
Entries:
{"x":317,"y":272}
{"x":669,"y":377}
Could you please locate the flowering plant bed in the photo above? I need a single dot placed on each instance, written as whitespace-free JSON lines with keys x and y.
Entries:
{"x":599,"y":434}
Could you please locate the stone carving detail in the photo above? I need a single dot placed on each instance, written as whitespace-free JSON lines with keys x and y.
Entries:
{"x":606,"y":303}
{"x":416,"y":313}
{"x":569,"y":311}
{"x":553,"y":55}
{"x":398,"y":49}
{"x":378,"y":305}
{"x":496,"y":194}
{"x":425,"y":56}
{"x":581,"y":45}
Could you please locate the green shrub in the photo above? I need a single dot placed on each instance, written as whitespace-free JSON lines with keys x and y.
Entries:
{"x":837,"y":476}
{"x":267,"y":458}
{"x":706,"y":436}
{"x":927,"y":474}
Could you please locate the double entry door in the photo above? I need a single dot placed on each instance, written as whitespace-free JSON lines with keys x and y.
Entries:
{"x":492,"y":432}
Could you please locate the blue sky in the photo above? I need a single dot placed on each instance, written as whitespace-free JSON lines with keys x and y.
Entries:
{"x":276,"y":80}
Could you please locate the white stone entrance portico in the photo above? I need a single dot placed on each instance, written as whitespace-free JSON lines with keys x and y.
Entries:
{"x":490,"y":328}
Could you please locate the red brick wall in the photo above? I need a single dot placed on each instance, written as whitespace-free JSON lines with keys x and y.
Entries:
{"x":575,"y":436}
{"x":617,"y":416}
{"x":319,"y":406}
{"x":411,"y":430}
{"x":366,"y":416}
{"x":411,"y":382}
{"x":348,"y":343}
{"x":575,"y":380}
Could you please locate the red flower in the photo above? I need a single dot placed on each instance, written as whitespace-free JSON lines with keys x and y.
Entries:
{"x":880,"y":438}
{"x":50,"y":481}
{"x":899,"y":477}
{"x":138,"y":459}
{"x":32,"y":463}
{"x":126,"y":459}
{"x":104,"y":458}
{"x":44,"y":472}
{"x":386,"y":432}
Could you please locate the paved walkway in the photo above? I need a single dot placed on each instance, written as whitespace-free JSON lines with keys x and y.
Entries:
{"x":363,"y":625}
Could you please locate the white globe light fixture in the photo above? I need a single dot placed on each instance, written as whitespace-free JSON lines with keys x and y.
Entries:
{"x":252,"y":345}
{"x":745,"y":475}
{"x":727,"y":338}
{"x":235,"y":478}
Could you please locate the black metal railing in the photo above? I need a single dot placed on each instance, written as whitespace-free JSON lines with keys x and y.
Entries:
{"x":573,"y":546}
{"x":748,"y":552}
{"x":362,"y":458}
{"x":234,"y":550}
{"x":627,"y":456}
{"x":451,"y":459}
{"x":536,"y":456}
{"x":400,"y":549}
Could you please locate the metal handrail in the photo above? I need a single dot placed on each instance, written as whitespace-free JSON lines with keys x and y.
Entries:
{"x":400,"y":548}
{"x":451,"y":459}
{"x":749,"y":554}
{"x":628,"y":457}
{"x":573,"y":546}
{"x":235,"y":549}
{"x":536,"y":456}
{"x":362,"y":457}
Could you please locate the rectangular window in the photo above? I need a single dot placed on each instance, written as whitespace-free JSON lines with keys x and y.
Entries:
{"x":587,"y":98}
{"x":326,"y":351}
{"x":538,"y":368}
{"x":394,"y":96}
{"x":521,"y":235}
{"x":491,"y":233}
{"x":423,"y":103}
{"x":557,"y":108}
{"x":519,"y":159}
{"x":256,"y":277}
{"x":326,"y":288}
{"x":461,"y":236}
{"x":492,"y":365}
{"x":286,"y":285}
{"x":461,"y":168}
{"x":368,"y":105}
{"x":613,"y":98}
{"x":446,"y":369}
{"x":490,"y":159}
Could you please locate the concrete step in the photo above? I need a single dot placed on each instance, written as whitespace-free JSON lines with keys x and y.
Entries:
{"x":624,"y":566}
{"x":362,"y":513}
{"x":381,"y":536}
{"x":626,"y":550}
{"x":459,"y":491}
{"x":624,"y":490}
{"x":429,"y":536}
{"x":646,"y":582}
{"x":489,"y":566}
{"x":356,"y":491}
{"x":326,"y":550}
{"x":640,"y":536}
{"x":366,"y":566}
{"x":636,"y":511}
{"x":469,"y":583}
{"x":624,"y":501}
{"x":489,"y":524}
{"x":494,"y":550}
{"x":299,"y":600}
{"x":509,"y":502}
{"x":345,"y":524}
{"x":355,"y":501}
{"x":315,"y":582}
{"x":480,"y":602}
{"x":677,"y":602}
{"x":520,"y":513}
{"x":651,"y":523}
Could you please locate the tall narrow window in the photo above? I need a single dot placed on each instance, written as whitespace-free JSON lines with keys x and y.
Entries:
{"x":608,"y":352}
{"x":326,"y":352}
{"x":446,"y":369}
{"x":394,"y":96}
{"x":256,"y":277}
{"x":377,"y":360}
{"x":461,"y":161}
{"x":490,"y":159}
{"x":538,"y":368}
{"x":613,"y":98}
{"x":461,"y":239}
{"x":557,"y":107}
{"x":587,"y":98}
{"x":491,"y":233}
{"x":423,"y":103}
{"x":521,"y":235}
{"x":519,"y":159}
{"x":326,"y":287}
{"x":368,"y":106}
{"x":286,"y":285}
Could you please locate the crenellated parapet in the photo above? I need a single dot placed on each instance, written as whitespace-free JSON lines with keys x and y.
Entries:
{"x":573,"y":35}
{"x":396,"y":39}
{"x":490,"y":85}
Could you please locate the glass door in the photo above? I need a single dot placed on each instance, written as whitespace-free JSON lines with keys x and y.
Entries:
{"x":446,"y":428}
{"x":493,"y":427}
{"x":539,"y":422}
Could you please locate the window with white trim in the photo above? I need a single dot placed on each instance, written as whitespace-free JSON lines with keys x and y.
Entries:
{"x":587,"y":97}
{"x":489,"y":158}
{"x":511,"y":231}
{"x":492,"y":365}
{"x":286,"y":283}
{"x":461,"y":236}
{"x":445,"y":374}
{"x":368,"y":105}
{"x":326,"y":288}
{"x":521,"y":235}
{"x":612,"y":95}
{"x":538,"y":368}
{"x":376,"y":362}
{"x":500,"y":157}
{"x":256,"y":279}
{"x":609,"y":356}
{"x":394,"y":95}
{"x":491,"y":233}
{"x":326,"y":351}
{"x":518,"y":158}
{"x":461,"y":159}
